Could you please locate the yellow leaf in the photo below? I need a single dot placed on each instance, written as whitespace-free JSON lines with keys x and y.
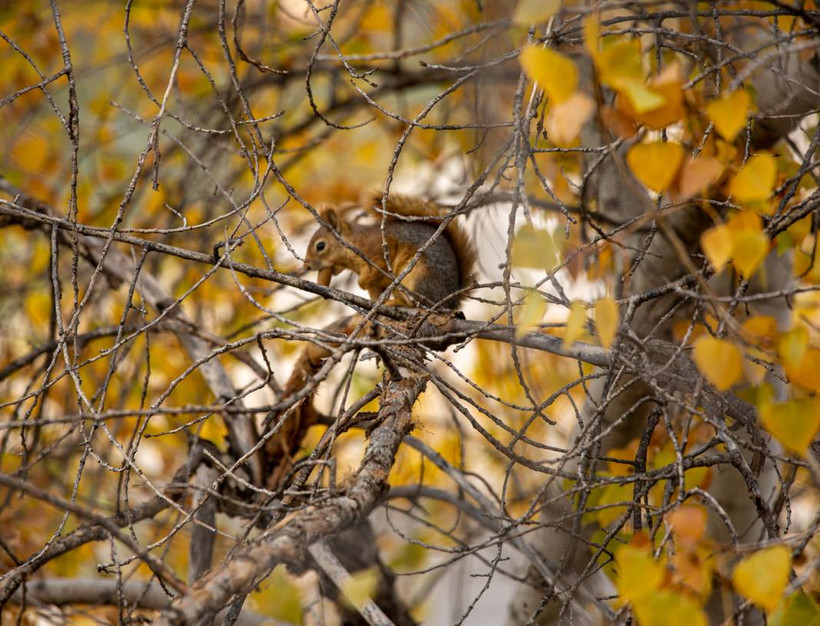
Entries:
{"x":361,"y":586}
{"x":729,"y":113}
{"x":717,"y":245}
{"x":606,"y":320}
{"x":592,"y":31}
{"x":755,"y":181}
{"x":759,"y":329}
{"x":279,"y":598}
{"x":750,"y":245}
{"x":748,"y":251}
{"x":798,"y":609}
{"x":566,"y":118}
{"x":535,"y":11}
{"x":621,"y":64}
{"x":793,"y":344}
{"x":793,"y":423}
{"x":763,"y":576}
{"x":576,"y":323}
{"x":655,"y":164}
{"x":805,"y":372}
{"x":697,"y":175}
{"x":669,"y":608}
{"x":534,"y":308}
{"x":534,"y":247}
{"x":720,"y":361}
{"x":669,"y":86}
{"x":639,"y":575}
{"x":554,"y":73}
{"x":641,"y":98}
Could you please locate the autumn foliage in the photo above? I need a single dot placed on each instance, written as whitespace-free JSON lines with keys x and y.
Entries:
{"x":624,"y":421}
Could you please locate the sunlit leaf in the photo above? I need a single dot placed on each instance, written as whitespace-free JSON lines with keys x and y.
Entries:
{"x":716,"y":244}
{"x":639,"y":575}
{"x":669,"y":86}
{"x":621,"y":64}
{"x":759,"y":329}
{"x":655,"y":164}
{"x":556,"y":74}
{"x":689,"y":523}
{"x":361,"y":586}
{"x":793,"y":423}
{"x":566,"y":118}
{"x":729,"y":113}
{"x":576,"y":323}
{"x":592,"y":31}
{"x":748,"y":251}
{"x":669,"y":608}
{"x":641,"y":98}
{"x":750,"y":245}
{"x":805,"y":373}
{"x":694,"y":570}
{"x":531,"y":313}
{"x":763,"y":576}
{"x":799,"y":609}
{"x":719,"y":360}
{"x":535,"y":11}
{"x":697,"y":175}
{"x":793,"y":344}
{"x":755,"y":181}
{"x":534,"y":247}
{"x":606,"y":320}
{"x":279,"y":598}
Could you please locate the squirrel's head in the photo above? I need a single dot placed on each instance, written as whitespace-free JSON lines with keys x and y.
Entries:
{"x":325,"y":253}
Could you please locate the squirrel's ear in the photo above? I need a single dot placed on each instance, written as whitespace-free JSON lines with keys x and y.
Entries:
{"x":331,"y":217}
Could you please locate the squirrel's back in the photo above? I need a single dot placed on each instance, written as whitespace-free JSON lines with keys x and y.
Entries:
{"x":408,"y":214}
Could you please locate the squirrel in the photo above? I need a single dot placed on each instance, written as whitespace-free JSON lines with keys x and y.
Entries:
{"x":438,"y":278}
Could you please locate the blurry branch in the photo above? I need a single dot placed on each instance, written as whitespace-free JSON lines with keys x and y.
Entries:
{"x":491,"y":516}
{"x":106,"y":523}
{"x":288,"y":540}
{"x":99,"y":591}
{"x":118,"y":268}
{"x":98,"y":529}
{"x":368,"y":609}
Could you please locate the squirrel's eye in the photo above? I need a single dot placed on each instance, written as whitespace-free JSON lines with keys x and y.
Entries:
{"x":320,"y":245}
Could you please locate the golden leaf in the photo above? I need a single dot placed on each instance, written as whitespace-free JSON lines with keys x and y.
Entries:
{"x":755,"y":180}
{"x":554,"y":73}
{"x":689,"y":523}
{"x":534,"y":308}
{"x":805,"y":372}
{"x":719,"y":360}
{"x":792,"y":345}
{"x":729,"y":113}
{"x":576,"y":323}
{"x":606,"y":320}
{"x":697,"y":175}
{"x":535,"y":11}
{"x":763,"y":576}
{"x":669,"y":608}
{"x":716,"y":244}
{"x":655,"y":164}
{"x":639,"y":575}
{"x":534,"y":247}
{"x":566,"y":118}
{"x":793,"y":423}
